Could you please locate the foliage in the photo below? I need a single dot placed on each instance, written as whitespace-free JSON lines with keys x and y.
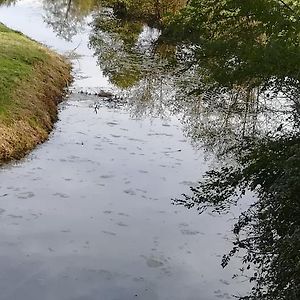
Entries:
{"x":113,"y":41}
{"x":126,"y":49}
{"x":234,"y":42}
{"x":268,"y":233}
{"x":149,"y":11}
{"x":239,"y":54}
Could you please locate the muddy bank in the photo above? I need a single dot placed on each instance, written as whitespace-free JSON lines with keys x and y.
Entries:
{"x":32,"y":82}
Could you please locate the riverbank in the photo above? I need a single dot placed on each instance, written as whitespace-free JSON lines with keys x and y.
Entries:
{"x":32,"y":82}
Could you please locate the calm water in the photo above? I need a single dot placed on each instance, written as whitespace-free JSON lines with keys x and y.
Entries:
{"x":88,"y":215}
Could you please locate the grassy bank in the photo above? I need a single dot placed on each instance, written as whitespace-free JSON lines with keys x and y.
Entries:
{"x":32,"y":81}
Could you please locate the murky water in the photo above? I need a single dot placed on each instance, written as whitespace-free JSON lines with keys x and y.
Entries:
{"x":88,"y":215}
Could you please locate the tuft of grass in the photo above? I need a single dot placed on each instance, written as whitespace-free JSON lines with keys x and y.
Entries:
{"x":32,"y":80}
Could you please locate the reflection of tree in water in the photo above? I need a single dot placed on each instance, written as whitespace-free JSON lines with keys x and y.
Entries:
{"x":256,"y":78}
{"x":215,"y":118}
{"x":221,"y":120}
{"x":68,"y":17}
{"x":112,"y":40}
{"x":239,"y":96}
{"x":124,"y":49}
{"x":7,"y":2}
{"x":268,"y":233}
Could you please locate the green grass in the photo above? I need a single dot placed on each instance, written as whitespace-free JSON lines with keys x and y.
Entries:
{"x":32,"y":80}
{"x":18,"y":56}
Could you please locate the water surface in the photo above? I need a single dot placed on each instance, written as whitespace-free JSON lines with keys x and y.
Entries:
{"x":88,"y":214}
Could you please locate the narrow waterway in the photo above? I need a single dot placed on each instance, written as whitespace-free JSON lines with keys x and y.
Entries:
{"x":89,"y":215}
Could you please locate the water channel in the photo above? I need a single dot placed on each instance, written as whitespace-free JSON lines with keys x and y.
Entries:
{"x":89,"y":214}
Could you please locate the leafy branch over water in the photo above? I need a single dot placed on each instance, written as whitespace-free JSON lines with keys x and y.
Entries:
{"x":268,"y":233}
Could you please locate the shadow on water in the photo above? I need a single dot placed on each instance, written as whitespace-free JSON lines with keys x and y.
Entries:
{"x":237,"y":96}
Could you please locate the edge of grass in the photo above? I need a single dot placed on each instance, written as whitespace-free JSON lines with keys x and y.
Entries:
{"x":33,"y":80}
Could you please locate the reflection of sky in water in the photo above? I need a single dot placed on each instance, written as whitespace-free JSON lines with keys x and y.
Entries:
{"x":28,"y":18}
{"x":88,"y":214}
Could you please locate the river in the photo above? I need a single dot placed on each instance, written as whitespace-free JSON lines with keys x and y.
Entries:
{"x":89,"y":214}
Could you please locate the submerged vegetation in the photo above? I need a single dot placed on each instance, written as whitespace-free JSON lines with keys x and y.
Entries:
{"x":32,"y":81}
